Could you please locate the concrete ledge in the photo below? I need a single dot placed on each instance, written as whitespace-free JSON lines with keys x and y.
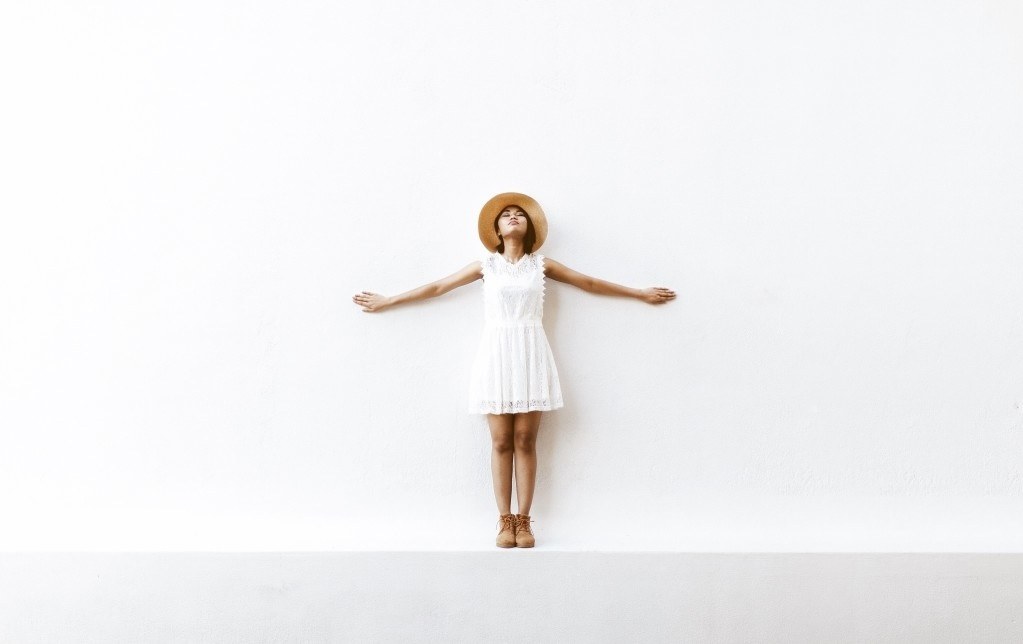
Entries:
{"x":510,"y":596}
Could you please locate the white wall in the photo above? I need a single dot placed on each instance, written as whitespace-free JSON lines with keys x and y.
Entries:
{"x":193,"y":191}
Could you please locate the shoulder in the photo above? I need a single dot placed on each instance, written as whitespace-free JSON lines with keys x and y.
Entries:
{"x":561,"y":273}
{"x":546,"y":263}
{"x":468,"y":273}
{"x":485,"y":263}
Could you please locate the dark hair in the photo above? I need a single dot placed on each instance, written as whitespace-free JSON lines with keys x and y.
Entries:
{"x":527,"y":241}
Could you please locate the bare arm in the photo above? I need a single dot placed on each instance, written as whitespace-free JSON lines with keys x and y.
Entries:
{"x":560,"y":272}
{"x":373,"y":302}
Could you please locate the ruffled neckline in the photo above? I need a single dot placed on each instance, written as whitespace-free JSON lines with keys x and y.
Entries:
{"x":515,"y":264}
{"x":527,"y":264}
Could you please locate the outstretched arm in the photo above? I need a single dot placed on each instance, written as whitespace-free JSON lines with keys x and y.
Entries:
{"x":560,"y":272}
{"x":373,"y":302}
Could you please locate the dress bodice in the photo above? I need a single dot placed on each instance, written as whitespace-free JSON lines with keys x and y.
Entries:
{"x":513,"y":293}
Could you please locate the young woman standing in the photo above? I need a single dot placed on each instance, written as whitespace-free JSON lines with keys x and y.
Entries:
{"x":514,"y":378}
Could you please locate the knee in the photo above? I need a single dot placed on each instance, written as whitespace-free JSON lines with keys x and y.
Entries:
{"x":525,"y":443}
{"x":503,"y":445}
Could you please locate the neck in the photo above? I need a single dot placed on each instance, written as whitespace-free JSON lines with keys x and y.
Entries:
{"x":513,"y":249}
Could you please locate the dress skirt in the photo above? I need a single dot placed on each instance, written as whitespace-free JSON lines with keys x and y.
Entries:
{"x":514,"y":370}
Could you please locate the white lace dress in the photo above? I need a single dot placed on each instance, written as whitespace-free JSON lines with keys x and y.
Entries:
{"x":514,"y":367}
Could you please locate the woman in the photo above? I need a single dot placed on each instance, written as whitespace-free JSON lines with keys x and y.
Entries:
{"x":514,"y":378}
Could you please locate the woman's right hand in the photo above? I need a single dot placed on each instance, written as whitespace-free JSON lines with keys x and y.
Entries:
{"x":371,"y":302}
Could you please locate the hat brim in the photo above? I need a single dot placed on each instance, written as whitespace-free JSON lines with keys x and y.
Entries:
{"x":497,"y":203}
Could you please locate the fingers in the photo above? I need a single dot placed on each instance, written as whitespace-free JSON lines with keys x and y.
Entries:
{"x":662,"y":295}
{"x":364,"y":299}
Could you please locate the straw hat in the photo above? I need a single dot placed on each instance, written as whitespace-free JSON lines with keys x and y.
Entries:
{"x":497,"y":203}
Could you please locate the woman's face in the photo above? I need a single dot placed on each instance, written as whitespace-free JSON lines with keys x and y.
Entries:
{"x":513,"y":222}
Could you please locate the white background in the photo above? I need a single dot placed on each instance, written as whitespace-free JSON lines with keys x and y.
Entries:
{"x":192,"y":192}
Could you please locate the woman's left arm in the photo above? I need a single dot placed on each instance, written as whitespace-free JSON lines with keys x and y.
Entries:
{"x":560,"y":272}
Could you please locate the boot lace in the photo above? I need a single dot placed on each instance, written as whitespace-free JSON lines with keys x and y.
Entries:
{"x":506,"y":522}
{"x":523,"y":525}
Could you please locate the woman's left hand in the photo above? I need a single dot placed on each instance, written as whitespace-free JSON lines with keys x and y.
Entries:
{"x":656,"y":295}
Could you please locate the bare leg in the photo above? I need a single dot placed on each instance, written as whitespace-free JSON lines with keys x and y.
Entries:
{"x":501,"y":434}
{"x":526,"y":427}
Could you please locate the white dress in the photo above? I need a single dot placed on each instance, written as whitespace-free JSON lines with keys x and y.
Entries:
{"x":514,"y":367}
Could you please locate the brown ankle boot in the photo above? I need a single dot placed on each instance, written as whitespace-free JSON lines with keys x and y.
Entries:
{"x":523,"y":534}
{"x":506,"y":537}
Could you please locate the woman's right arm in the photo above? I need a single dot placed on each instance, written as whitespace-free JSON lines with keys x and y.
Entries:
{"x":373,"y":302}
